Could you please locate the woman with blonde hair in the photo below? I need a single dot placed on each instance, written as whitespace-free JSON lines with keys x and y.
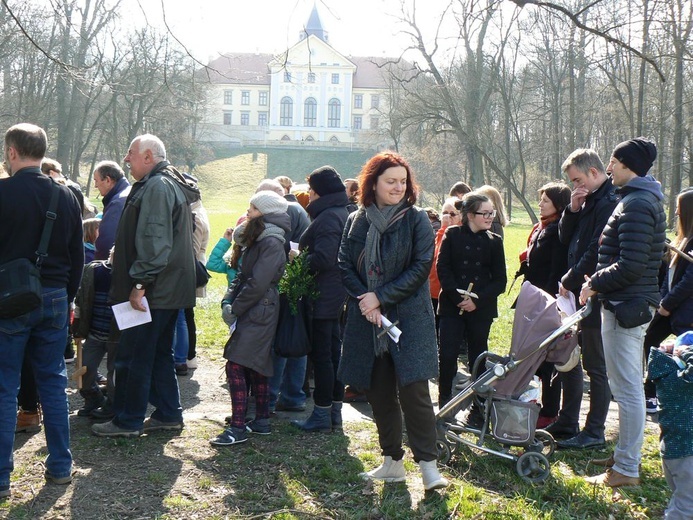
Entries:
{"x":500,"y":220}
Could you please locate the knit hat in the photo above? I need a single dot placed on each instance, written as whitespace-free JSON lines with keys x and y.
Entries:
{"x":268,"y":202}
{"x":638,"y":154}
{"x":326,"y":180}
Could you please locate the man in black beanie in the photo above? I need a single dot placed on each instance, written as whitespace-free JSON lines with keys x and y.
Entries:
{"x":637,"y":154}
{"x":630,"y":253}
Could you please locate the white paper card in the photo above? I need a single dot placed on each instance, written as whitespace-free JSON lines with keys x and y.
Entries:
{"x":566,"y":304}
{"x":393,"y":332}
{"x":126,"y":317}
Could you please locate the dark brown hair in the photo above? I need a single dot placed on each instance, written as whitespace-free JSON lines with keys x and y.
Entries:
{"x":471,"y":203}
{"x":558,"y":193}
{"x":375,"y":167}
{"x":28,"y":140}
{"x":459,"y":188}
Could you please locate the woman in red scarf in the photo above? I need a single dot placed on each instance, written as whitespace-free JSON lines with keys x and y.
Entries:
{"x":543,"y":263}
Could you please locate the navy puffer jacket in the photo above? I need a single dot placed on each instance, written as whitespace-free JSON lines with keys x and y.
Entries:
{"x":632,"y":245}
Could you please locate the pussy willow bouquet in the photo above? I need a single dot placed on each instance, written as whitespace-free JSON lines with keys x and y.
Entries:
{"x":298,"y":282}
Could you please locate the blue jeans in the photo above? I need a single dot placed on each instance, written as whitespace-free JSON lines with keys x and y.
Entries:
{"x":287,"y":382}
{"x":181,"y":341}
{"x":623,"y":354}
{"x":145,"y":373}
{"x":42,"y":333}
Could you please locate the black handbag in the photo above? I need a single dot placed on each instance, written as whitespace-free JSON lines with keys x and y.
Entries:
{"x":293,"y":336}
{"x":202,"y":276}
{"x":20,"y":279}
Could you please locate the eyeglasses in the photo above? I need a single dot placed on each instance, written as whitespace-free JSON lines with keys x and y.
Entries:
{"x":486,"y":214}
{"x":451,"y":213}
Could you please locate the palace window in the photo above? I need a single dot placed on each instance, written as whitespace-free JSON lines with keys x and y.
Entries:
{"x":310,"y":112}
{"x":286,"y":111}
{"x":334,"y":113}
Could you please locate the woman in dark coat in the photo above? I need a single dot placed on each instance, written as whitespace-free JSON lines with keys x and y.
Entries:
{"x":385,"y":257}
{"x":470,"y":256}
{"x":543,"y":264}
{"x":328,"y":212}
{"x":251,"y":310}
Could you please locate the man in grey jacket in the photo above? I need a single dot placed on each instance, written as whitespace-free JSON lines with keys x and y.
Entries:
{"x":153,"y":267}
{"x":630,"y":253}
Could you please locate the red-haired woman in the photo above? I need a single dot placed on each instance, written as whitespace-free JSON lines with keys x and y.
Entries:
{"x":385,"y":257}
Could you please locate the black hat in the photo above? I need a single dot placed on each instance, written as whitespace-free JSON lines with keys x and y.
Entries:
{"x":326,"y":180}
{"x":638,"y":154}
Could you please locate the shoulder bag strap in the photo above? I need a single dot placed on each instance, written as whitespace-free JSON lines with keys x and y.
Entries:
{"x":51,"y":215}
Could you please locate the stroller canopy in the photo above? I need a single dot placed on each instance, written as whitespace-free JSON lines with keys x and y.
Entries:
{"x":536,"y":318}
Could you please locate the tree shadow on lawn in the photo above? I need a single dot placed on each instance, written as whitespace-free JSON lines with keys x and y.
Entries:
{"x":302,"y":474}
{"x":113,"y":478}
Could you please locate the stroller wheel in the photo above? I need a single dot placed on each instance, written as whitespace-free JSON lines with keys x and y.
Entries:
{"x":543,"y":443}
{"x":444,"y":453}
{"x":533,"y":467}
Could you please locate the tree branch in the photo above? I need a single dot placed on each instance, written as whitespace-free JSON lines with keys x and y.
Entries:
{"x":574,"y":18}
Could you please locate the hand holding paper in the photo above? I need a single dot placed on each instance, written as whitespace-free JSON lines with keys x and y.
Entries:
{"x":127,"y":317}
{"x":392,"y":330}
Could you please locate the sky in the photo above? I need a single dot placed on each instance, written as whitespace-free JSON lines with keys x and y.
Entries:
{"x":210,"y":27}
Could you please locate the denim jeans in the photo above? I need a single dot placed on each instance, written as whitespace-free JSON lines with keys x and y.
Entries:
{"x":287,"y":382}
{"x":42,"y":333}
{"x":623,"y":354}
{"x":181,"y":342}
{"x":145,"y":373}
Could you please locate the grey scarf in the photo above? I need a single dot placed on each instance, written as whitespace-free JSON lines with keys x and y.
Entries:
{"x":376,"y":270}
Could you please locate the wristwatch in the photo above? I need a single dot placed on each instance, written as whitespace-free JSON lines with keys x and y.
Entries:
{"x":139,"y":286}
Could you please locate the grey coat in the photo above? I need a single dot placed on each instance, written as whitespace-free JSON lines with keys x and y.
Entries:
{"x":256,"y":302}
{"x":405,"y":299}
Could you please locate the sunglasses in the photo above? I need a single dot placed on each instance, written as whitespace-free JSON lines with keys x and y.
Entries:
{"x":451,"y":214}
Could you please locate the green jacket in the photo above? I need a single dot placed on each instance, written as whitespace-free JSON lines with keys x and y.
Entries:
{"x":154,"y":241}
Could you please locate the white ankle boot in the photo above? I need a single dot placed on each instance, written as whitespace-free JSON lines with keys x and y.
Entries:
{"x":432,"y":479}
{"x":389,"y":471}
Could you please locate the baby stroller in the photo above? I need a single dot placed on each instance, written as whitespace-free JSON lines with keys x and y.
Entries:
{"x":509,"y":424}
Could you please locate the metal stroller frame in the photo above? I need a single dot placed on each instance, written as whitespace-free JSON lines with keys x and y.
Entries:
{"x":532,"y":465}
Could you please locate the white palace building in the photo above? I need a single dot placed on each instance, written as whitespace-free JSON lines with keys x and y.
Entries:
{"x":310,"y":95}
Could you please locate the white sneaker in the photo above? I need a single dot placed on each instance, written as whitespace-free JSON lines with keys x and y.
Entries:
{"x":651,"y":405}
{"x":389,"y":471}
{"x":192,"y":363}
{"x":432,"y":479}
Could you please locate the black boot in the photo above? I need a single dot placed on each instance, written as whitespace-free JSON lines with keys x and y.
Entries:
{"x":92,"y":401}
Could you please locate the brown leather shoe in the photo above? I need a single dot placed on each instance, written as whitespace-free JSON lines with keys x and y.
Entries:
{"x":607,"y":462}
{"x":614,"y":479}
{"x":28,"y":422}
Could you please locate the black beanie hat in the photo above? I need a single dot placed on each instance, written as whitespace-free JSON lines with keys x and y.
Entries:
{"x":638,"y":154}
{"x":326,"y":180}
